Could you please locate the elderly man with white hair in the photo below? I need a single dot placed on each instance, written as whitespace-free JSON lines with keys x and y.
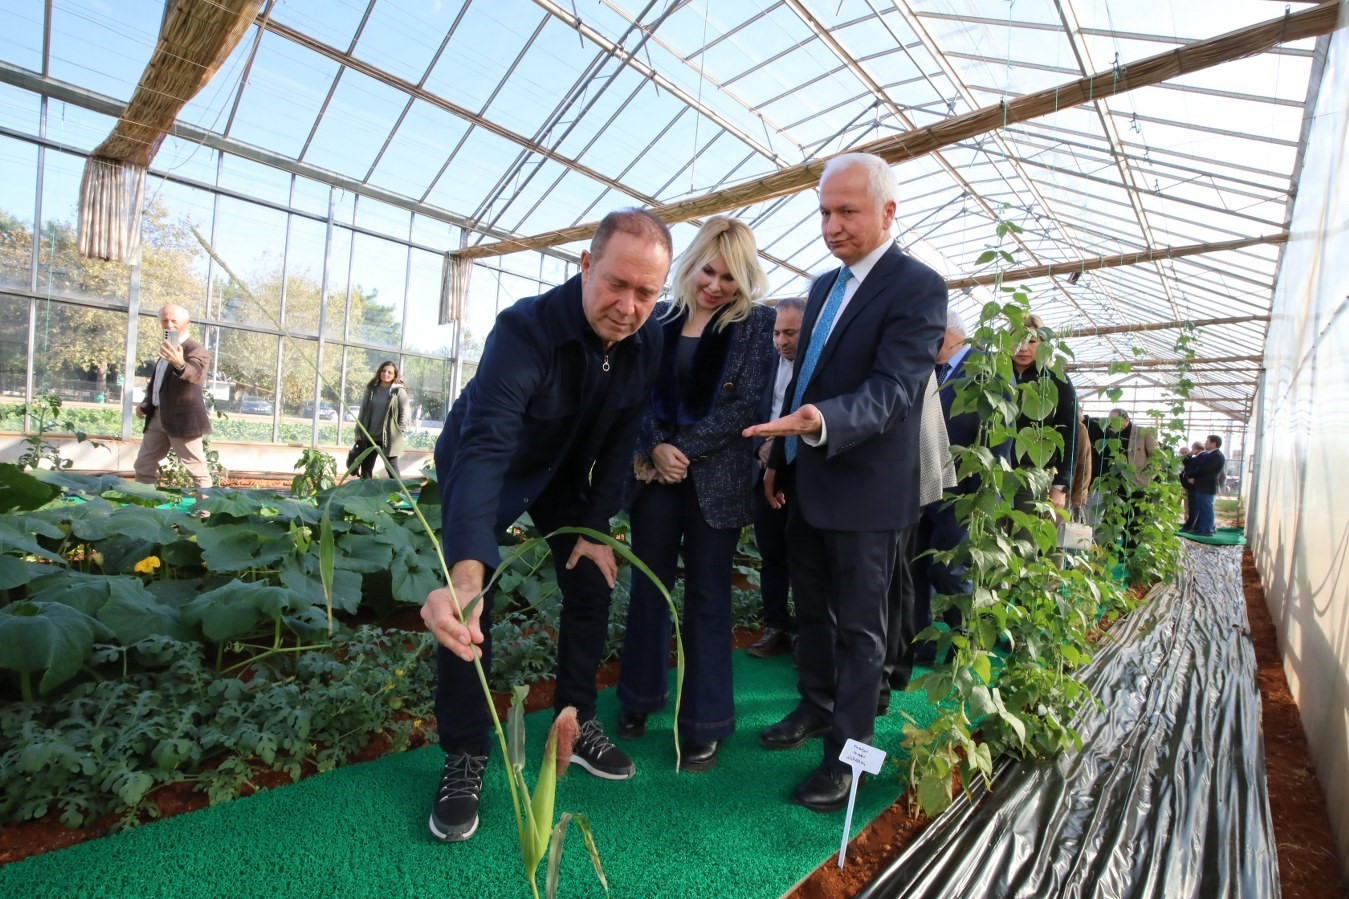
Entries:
{"x":174,"y":408}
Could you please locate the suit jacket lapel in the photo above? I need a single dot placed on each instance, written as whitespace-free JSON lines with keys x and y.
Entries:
{"x":877,"y":280}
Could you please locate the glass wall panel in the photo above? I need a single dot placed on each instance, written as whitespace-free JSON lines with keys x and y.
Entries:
{"x":17,"y":190}
{"x":304,"y":275}
{"x":310,"y":196}
{"x":18,"y":107}
{"x":244,"y":370}
{"x":360,"y":369}
{"x":253,"y":179}
{"x":78,"y":355}
{"x":373,"y":215}
{"x":339,"y":276}
{"x":173,"y":263}
{"x":13,"y":348}
{"x":378,"y":276}
{"x":61,"y":270}
{"x":251,"y":239}
{"x":434,"y":233}
{"x":428,"y":383}
{"x":299,"y":359}
{"x":425,"y":334}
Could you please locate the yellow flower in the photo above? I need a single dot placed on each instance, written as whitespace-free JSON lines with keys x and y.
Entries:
{"x":398,"y":672}
{"x":148,"y":565}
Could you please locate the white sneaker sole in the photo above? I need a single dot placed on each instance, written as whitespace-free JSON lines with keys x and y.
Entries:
{"x":607,"y":775}
{"x":452,"y":838}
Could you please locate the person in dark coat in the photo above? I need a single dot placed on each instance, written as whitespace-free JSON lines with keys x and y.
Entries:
{"x":546,"y":426}
{"x":1205,"y":473}
{"x":770,"y":525}
{"x":691,"y":493}
{"x":174,"y":407}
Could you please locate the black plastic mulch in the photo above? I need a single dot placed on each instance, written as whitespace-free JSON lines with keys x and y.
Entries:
{"x":1167,"y":797}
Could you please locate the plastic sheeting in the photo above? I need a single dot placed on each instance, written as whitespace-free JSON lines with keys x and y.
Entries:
{"x":1167,"y":797}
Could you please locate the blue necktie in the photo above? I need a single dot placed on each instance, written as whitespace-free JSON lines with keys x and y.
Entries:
{"x":818,"y":336}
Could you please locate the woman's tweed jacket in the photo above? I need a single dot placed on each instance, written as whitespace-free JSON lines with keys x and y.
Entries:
{"x":704,"y":417}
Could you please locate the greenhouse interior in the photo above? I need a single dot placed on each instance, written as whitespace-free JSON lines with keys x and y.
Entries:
{"x":302,"y":301}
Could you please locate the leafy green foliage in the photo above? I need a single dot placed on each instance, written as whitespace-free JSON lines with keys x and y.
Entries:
{"x":104,"y":746}
{"x":1006,"y":684}
{"x":45,"y":417}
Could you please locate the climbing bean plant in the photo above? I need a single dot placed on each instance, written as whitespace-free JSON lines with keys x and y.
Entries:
{"x":1006,"y":684}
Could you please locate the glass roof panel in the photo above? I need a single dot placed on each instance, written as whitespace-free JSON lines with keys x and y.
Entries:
{"x":103,"y":46}
{"x":486,"y":41}
{"x":417,"y":149}
{"x":355,"y":125}
{"x":333,"y":22}
{"x":403,"y":40}
{"x":286,"y":88}
{"x":21,"y":35}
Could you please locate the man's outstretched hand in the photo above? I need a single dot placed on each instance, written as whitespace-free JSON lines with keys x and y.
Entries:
{"x":804,"y":422}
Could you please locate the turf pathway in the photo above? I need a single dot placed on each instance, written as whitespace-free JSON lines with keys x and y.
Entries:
{"x":361,"y":831}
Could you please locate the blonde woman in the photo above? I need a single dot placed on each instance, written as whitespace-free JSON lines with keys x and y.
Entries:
{"x":691,"y":484}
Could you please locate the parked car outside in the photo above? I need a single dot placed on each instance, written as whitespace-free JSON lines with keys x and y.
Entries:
{"x":326,"y":412}
{"x":255,"y":405}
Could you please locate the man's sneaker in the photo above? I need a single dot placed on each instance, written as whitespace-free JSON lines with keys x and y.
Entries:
{"x":454,"y":817}
{"x":593,"y":752}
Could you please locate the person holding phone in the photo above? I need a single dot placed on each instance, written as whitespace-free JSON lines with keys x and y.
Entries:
{"x":174,"y":408}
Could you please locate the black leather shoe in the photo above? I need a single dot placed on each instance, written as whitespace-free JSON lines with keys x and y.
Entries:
{"x":826,"y":790}
{"x":882,"y":708}
{"x":697,"y":755}
{"x":792,"y":731}
{"x":631,"y":725}
{"x":773,"y":641}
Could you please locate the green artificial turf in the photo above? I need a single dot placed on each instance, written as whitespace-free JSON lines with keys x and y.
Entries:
{"x":1221,"y":537}
{"x":361,"y":830}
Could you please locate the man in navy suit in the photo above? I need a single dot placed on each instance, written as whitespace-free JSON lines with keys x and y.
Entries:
{"x":847,"y":466}
{"x":547,"y":426}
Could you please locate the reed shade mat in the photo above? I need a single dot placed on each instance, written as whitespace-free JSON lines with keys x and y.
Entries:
{"x":361,"y":831}
{"x":1221,"y":537}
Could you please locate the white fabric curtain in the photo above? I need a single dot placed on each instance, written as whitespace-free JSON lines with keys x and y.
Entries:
{"x":454,"y":288}
{"x":111,"y":196}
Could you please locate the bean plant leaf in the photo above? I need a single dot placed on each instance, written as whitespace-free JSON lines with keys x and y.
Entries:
{"x":50,"y":637}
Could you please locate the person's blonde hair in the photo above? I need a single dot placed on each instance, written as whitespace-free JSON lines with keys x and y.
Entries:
{"x":733,"y":241}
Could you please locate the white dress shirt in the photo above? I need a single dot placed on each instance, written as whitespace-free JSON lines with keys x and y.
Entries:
{"x":859,"y":274}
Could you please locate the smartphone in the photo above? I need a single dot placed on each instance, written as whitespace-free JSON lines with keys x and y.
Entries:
{"x":173,"y":337}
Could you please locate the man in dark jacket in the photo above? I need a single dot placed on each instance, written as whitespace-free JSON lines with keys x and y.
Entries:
{"x":1205,"y":473}
{"x":174,"y":408}
{"x":547,"y":426}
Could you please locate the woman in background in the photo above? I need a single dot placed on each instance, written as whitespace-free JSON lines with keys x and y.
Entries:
{"x":385,"y":416}
{"x":1063,"y":420}
{"x":691,"y":484}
